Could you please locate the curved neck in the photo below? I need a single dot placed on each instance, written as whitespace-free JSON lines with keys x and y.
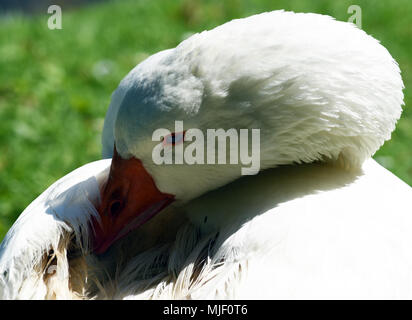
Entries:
{"x":250,"y":196}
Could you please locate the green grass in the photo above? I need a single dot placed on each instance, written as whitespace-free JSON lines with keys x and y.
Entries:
{"x":55,"y":85}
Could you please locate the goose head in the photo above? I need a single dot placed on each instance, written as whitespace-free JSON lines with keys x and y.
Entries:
{"x":315,"y":88}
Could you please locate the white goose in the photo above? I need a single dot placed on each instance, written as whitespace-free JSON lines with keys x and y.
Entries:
{"x":321,"y":220}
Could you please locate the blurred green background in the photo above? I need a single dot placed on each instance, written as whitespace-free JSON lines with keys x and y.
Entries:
{"x":55,"y":85}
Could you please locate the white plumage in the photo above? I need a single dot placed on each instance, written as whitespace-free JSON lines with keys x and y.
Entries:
{"x":323,"y":220}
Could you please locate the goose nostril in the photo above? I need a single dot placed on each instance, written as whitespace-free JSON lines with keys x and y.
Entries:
{"x":115,"y":208}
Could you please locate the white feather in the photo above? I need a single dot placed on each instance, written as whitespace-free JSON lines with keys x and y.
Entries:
{"x":65,"y":207}
{"x":320,"y":222}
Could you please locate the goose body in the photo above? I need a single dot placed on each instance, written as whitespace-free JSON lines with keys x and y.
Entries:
{"x":320,"y":220}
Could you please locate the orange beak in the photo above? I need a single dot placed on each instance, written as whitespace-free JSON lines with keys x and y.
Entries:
{"x":129,"y":199}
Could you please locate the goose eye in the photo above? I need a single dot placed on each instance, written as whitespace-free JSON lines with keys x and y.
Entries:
{"x":174,"y":138}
